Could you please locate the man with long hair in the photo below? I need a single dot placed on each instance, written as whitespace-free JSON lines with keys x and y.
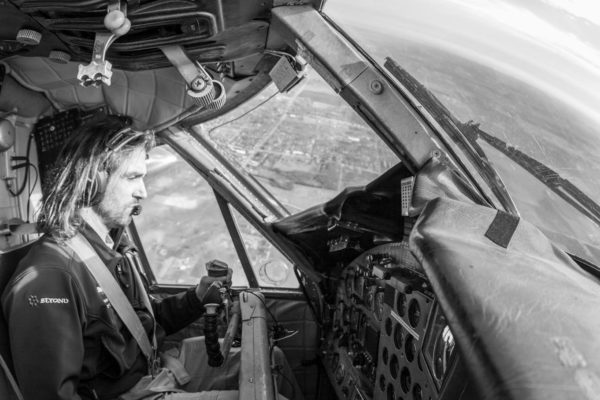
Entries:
{"x":67,"y":340}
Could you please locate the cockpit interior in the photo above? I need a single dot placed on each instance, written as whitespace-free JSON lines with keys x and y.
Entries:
{"x":389,"y":257}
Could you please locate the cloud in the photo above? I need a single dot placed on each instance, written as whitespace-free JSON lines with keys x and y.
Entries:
{"x":585,"y":9}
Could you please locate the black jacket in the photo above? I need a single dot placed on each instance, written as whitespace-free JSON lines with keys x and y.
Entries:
{"x":66,"y":340}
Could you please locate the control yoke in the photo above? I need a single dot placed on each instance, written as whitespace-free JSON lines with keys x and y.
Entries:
{"x":216,"y":356}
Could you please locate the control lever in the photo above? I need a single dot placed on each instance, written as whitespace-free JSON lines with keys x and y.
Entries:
{"x":211,"y":337}
{"x":215,"y":269}
{"x":205,"y":91}
{"x":232,"y":328}
{"x":99,"y":70}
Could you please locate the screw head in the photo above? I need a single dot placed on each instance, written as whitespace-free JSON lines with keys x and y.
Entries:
{"x":198,"y":84}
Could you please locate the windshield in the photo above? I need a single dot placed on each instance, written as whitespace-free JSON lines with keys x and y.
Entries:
{"x":526,"y":73}
{"x":304,"y":146}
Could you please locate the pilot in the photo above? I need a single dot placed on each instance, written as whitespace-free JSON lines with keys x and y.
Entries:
{"x":67,"y":340}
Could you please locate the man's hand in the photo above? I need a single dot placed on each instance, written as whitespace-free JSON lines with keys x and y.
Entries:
{"x":208,"y":288}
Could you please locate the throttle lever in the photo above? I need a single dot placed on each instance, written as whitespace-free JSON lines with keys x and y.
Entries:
{"x":211,"y":337}
{"x":215,"y":269}
{"x":232,"y":328}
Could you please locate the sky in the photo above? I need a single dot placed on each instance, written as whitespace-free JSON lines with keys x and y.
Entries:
{"x":553,"y":45}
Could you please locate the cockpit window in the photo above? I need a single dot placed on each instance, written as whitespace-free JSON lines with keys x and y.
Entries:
{"x":526,"y":74}
{"x":181,"y":227}
{"x":304,"y":146}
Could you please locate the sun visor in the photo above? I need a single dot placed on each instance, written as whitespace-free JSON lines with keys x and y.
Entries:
{"x":149,"y":97}
{"x":524,"y":316}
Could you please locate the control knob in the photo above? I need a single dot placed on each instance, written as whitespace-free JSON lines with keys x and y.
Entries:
{"x":29,"y":37}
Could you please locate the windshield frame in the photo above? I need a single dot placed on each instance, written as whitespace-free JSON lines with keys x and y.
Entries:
{"x":487,"y":184}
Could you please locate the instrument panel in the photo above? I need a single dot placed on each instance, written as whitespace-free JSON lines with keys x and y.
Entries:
{"x":387,"y":338}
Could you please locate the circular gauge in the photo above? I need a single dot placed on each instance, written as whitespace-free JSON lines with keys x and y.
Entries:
{"x":349,"y":285}
{"x":390,"y":392}
{"x":401,"y":304}
{"x":370,"y":297}
{"x":355,"y":314}
{"x":359,"y":284}
{"x":414,"y":313}
{"x":442,"y":352}
{"x":378,"y":305}
{"x":410,"y":348}
{"x":417,"y":392}
{"x":385,"y":355}
{"x":405,"y":380}
{"x":362,"y":328}
{"x":388,"y":326}
{"x":394,"y":367}
{"x":398,"y":337}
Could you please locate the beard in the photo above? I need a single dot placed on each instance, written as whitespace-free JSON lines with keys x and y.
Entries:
{"x":114,"y":215}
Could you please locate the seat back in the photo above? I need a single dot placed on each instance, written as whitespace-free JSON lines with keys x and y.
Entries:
{"x":9,"y":259}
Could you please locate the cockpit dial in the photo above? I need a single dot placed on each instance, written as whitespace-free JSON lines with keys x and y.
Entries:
{"x":440,"y":348}
{"x":378,"y":305}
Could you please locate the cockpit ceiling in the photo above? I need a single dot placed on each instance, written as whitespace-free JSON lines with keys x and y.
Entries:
{"x":44,"y":42}
{"x":149,"y":97}
{"x":211,"y":31}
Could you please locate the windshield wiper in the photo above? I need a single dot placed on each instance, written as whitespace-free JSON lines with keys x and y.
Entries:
{"x":454,"y":129}
{"x":552,"y":179}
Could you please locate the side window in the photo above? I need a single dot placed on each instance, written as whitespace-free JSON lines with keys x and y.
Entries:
{"x":181,"y":226}
{"x":271,"y":268}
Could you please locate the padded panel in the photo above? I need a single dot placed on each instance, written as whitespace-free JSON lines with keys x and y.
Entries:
{"x":526,"y":318}
{"x":149,"y":97}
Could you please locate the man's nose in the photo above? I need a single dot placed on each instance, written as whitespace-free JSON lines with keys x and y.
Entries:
{"x":140,"y":192}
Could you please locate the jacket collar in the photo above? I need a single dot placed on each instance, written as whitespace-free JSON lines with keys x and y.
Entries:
{"x":110,"y":257}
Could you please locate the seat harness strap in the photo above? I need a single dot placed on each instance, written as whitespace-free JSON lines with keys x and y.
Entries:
{"x":114,"y":293}
{"x":11,"y":380}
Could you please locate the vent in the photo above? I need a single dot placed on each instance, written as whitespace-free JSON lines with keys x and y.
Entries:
{"x":406,"y":192}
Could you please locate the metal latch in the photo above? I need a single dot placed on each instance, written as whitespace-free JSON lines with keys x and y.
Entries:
{"x":204,"y":90}
{"x":99,"y":70}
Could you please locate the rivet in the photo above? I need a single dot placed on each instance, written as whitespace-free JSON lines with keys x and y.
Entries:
{"x":376,"y":86}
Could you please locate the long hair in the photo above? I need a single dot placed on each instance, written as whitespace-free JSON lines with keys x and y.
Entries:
{"x":101,"y":144}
